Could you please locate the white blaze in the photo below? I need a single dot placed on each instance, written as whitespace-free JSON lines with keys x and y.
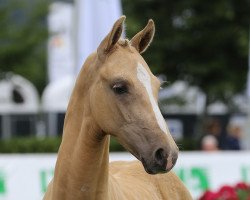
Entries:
{"x":144,"y":78}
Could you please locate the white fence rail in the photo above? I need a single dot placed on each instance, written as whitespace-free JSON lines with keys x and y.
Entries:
{"x":25,"y":176}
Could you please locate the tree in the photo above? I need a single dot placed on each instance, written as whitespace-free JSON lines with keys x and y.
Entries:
{"x":23,"y":37}
{"x":202,"y":42}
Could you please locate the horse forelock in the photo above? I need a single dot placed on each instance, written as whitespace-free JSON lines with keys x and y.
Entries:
{"x":125,"y":43}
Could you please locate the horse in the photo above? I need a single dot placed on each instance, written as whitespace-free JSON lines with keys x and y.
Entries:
{"x":115,"y":94}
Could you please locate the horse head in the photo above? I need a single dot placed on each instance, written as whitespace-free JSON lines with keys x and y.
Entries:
{"x":123,"y":99}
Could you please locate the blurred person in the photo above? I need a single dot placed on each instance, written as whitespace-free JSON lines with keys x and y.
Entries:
{"x":213,"y":128}
{"x":234,"y":134}
{"x":209,"y":143}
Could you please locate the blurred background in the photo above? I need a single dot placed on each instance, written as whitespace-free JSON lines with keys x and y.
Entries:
{"x":200,"y":53}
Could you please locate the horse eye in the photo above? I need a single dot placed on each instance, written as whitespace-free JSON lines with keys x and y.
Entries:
{"x":120,"y":88}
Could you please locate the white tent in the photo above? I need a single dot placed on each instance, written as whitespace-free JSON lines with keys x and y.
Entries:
{"x":217,"y":108}
{"x":182,"y":98}
{"x":56,"y":95}
{"x":55,"y":100}
{"x":15,"y":84}
{"x":19,"y":102}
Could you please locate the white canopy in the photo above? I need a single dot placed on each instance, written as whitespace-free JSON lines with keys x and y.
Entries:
{"x":182,"y":98}
{"x":56,"y":95}
{"x":28,"y":99}
{"x":217,"y":108}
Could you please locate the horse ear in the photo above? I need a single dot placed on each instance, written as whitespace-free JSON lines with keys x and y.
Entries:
{"x":142,"y":40}
{"x":112,"y":38}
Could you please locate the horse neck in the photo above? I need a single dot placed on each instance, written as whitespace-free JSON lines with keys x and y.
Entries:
{"x":82,"y":166}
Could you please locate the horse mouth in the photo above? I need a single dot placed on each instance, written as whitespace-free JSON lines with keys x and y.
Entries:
{"x":147,"y":168}
{"x":153,"y":168}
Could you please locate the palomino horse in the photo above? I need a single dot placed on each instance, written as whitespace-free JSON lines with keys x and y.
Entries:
{"x":116,"y":94}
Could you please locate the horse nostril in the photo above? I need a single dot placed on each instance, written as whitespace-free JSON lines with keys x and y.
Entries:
{"x":159,"y":155}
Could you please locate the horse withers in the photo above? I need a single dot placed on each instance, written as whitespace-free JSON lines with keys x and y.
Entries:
{"x":116,"y":94}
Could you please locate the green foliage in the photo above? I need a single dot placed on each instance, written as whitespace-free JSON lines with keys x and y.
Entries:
{"x":115,"y":146}
{"x":51,"y":145}
{"x":30,"y":145}
{"x":36,"y":145}
{"x":23,"y":36}
{"x":203,"y":42}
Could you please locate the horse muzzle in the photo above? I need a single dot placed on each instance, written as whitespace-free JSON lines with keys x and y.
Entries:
{"x":160,"y":162}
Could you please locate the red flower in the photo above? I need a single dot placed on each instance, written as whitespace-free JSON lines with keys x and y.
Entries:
{"x":228,"y":193}
{"x":241,"y":191}
{"x":208,"y":195}
{"x":242,"y":186}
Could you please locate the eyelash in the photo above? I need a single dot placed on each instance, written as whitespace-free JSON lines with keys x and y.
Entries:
{"x":120,"y":88}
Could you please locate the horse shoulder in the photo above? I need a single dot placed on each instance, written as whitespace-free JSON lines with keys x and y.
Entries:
{"x":129,"y":180}
{"x":171,"y":187}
